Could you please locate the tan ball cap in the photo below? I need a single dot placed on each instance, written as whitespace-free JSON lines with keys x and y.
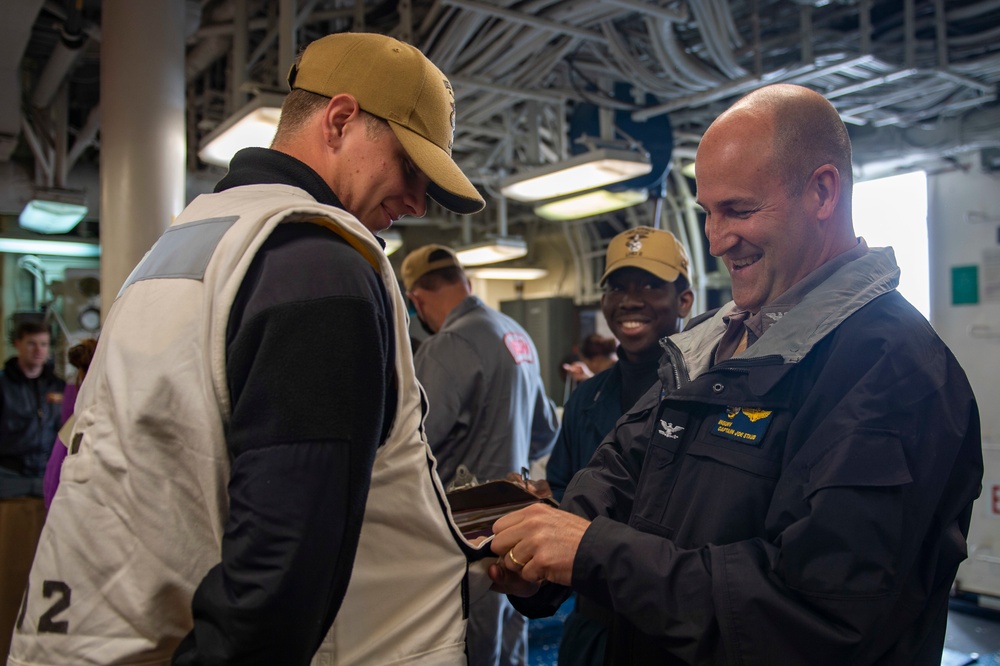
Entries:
{"x":397,"y":83}
{"x":653,"y":250}
{"x":425,"y":259}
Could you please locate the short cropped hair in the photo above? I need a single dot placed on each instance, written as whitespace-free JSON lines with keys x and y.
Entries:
{"x":301,"y":105}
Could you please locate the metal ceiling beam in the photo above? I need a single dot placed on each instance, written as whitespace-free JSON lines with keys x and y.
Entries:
{"x":16,"y":19}
{"x":652,"y":10}
{"x":525,"y":19}
{"x":539,"y":95}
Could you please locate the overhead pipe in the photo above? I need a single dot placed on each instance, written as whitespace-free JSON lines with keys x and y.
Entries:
{"x":502,"y":217}
{"x":226,"y":27}
{"x":910,"y":38}
{"x":710,"y":16}
{"x":404,"y":28}
{"x":286,"y":35}
{"x":58,"y":9}
{"x":632,"y":70}
{"x":85,"y":137}
{"x":538,"y":95}
{"x":806,"y":33}
{"x":64,"y":56}
{"x":43,"y":161}
{"x":941,"y":31}
{"x":865,"y":25}
{"x":524,"y":19}
{"x":18,"y":19}
{"x":272,"y":34}
{"x":60,"y":118}
{"x":690,"y":72}
{"x":737,"y":87}
{"x":208,"y":48}
{"x":652,"y":10}
{"x":238,"y":57}
{"x":691,"y":231}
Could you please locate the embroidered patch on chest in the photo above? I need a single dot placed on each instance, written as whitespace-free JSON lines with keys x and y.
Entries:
{"x":519,"y":347}
{"x":742,"y":424}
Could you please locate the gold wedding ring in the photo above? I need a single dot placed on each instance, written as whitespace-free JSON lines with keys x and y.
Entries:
{"x":510,"y":554}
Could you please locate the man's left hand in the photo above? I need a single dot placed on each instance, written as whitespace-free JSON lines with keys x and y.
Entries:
{"x":534,"y":545}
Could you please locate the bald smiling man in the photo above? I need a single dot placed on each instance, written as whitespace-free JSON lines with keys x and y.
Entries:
{"x":798,"y":486}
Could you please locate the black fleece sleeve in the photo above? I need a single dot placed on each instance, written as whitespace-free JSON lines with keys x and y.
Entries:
{"x":310,"y":360}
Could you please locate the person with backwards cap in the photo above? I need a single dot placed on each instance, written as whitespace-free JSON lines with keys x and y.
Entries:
{"x":246,"y":475}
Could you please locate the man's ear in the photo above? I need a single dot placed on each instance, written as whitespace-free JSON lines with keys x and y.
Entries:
{"x":684,"y":302}
{"x":824,"y":190}
{"x":418,"y":304}
{"x":340,"y":111}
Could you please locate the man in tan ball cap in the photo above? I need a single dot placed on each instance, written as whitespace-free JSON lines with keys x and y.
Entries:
{"x":246,"y":475}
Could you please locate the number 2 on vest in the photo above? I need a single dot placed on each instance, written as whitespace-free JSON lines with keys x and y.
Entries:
{"x":47,"y":624}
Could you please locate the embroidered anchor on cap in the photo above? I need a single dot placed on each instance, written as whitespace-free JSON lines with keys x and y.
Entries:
{"x":634,"y":244}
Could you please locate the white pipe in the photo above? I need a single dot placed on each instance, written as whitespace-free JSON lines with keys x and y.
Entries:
{"x":693,"y":73}
{"x":43,"y":160}
{"x":63,"y":57}
{"x":60,"y":122}
{"x":85,"y":137}
{"x":525,"y":19}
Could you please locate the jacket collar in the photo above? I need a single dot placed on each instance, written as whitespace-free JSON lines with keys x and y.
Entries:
{"x":263,"y":166}
{"x":819,"y":313}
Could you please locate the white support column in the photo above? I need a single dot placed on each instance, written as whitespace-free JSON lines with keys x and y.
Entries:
{"x":142,"y":137}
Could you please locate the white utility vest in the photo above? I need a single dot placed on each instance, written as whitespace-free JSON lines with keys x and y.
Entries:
{"x":138,"y":518}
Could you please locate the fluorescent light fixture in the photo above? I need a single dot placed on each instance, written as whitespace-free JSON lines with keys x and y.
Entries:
{"x":501,"y":273}
{"x":590,"y":204}
{"x":688,"y":169}
{"x":393,"y":241}
{"x":492,"y":250}
{"x":586,"y":171}
{"x":55,"y":248}
{"x":53,"y":211}
{"x":251,"y":126}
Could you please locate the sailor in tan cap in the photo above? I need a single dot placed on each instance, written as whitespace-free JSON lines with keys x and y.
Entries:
{"x":247,"y":474}
{"x":367,"y":75}
{"x":647,"y":295}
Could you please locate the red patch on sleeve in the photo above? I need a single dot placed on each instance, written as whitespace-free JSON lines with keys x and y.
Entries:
{"x":519,"y":347}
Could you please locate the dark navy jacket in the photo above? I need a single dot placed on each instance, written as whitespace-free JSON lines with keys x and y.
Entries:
{"x":589,"y":415}
{"x":805,"y":503}
{"x":29,"y":421}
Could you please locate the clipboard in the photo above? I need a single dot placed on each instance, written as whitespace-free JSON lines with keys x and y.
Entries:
{"x":476,"y":508}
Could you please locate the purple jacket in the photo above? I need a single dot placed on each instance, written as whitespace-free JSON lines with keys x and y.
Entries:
{"x":52,"y":469}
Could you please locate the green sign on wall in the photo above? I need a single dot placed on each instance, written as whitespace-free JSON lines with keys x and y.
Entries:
{"x":964,"y":285}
